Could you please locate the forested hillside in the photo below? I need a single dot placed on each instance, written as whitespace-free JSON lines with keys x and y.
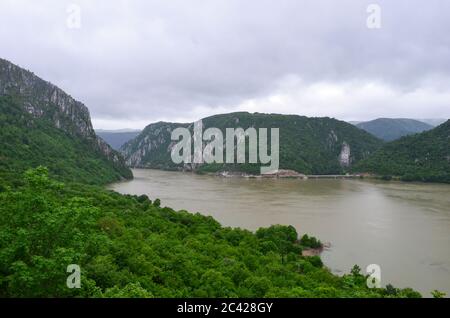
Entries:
{"x":29,"y":142}
{"x":307,"y":145}
{"x":421,"y":157}
{"x":129,"y":246}
{"x":42,"y":125}
{"x":390,"y":129}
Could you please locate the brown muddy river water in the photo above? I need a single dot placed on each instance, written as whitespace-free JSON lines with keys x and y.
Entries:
{"x":402,"y":227}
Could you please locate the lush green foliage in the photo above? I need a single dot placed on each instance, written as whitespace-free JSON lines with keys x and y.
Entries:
{"x":127,"y":246}
{"x":420,"y":157}
{"x":28,"y":142}
{"x":307,"y":145}
{"x":389,"y":129}
{"x":310,"y":241}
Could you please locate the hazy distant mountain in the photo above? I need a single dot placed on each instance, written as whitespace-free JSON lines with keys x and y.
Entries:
{"x":43,"y":125}
{"x":433,"y":121}
{"x":307,"y":145}
{"x":116,"y":138}
{"x":123,"y":130}
{"x":390,"y":129}
{"x":421,"y":157}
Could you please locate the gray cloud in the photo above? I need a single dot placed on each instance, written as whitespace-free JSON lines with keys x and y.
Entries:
{"x":134,"y":62}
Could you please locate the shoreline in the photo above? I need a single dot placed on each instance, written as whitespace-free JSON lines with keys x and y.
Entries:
{"x":296,"y":175}
{"x":285,"y":174}
{"x":308,"y":252}
{"x":329,"y":258}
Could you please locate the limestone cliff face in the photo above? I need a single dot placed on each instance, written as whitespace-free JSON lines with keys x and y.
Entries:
{"x":46,"y":101}
{"x":43,"y":99}
{"x":153,"y":145}
{"x":345,"y":155}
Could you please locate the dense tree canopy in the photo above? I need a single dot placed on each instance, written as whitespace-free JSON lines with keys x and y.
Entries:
{"x":128,"y":246}
{"x":307,"y":145}
{"x":420,"y":157}
{"x":29,"y":142}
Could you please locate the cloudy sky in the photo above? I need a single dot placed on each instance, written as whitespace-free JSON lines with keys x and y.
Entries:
{"x":137,"y":62}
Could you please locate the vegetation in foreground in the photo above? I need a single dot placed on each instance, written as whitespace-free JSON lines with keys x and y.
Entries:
{"x":129,"y":246}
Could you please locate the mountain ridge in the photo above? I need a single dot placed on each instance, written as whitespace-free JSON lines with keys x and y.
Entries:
{"x":420,"y":157}
{"x":389,"y":129}
{"x":307,"y":145}
{"x":41,"y":101}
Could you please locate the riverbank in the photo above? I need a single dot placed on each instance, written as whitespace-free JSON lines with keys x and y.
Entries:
{"x":283,"y":173}
{"x":308,"y":252}
{"x":367,"y":221}
{"x":291,"y":174}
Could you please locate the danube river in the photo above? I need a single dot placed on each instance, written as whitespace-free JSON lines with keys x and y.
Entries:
{"x":402,"y":227}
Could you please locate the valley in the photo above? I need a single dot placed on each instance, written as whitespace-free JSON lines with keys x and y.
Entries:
{"x":56,"y":176}
{"x":403,"y":227}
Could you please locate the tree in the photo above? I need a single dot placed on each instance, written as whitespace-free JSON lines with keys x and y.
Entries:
{"x":438,"y":294}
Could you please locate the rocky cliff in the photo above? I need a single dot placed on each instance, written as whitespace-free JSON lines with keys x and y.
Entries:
{"x":45,"y":101}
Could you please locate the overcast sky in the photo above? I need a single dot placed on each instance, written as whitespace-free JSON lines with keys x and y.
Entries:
{"x":137,"y":62}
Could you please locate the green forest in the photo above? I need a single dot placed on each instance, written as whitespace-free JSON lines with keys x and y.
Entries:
{"x":312,"y":146}
{"x":130,"y":246}
{"x":28,"y":142}
{"x":54,"y":211}
{"x":307,"y":145}
{"x":420,"y":157}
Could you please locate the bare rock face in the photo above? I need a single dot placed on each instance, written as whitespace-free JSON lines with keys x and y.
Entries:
{"x":344,"y":156}
{"x":155,"y":138}
{"x":44,"y":100}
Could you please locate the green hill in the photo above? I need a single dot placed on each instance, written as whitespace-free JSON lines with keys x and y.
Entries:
{"x":390,"y":129}
{"x":420,"y":157}
{"x":307,"y":145}
{"x":42,"y":125}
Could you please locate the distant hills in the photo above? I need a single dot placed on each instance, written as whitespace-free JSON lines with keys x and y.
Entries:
{"x":389,"y":129}
{"x":307,"y":145}
{"x":315,"y":146}
{"x":420,"y":157}
{"x":116,"y":138}
{"x":43,"y":125}
{"x":433,"y":121}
